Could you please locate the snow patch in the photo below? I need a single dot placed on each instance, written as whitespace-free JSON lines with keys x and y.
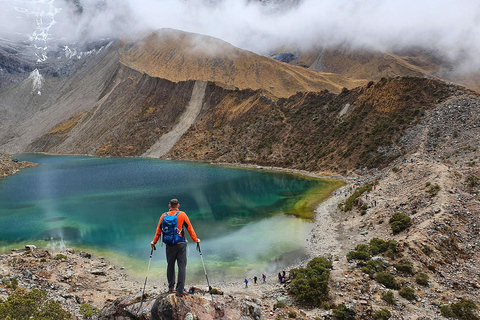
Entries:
{"x":37,"y":81}
{"x":45,"y":17}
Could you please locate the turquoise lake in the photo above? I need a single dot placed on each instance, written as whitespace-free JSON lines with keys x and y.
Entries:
{"x":111,"y":206}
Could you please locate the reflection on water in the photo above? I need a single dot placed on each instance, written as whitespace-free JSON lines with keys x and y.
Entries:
{"x":115,"y":204}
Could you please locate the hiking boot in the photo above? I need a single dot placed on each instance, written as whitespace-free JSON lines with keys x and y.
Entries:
{"x":180,"y":295}
{"x":171,"y":290}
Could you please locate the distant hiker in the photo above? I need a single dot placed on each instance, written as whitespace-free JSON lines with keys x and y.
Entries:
{"x":255,"y":280}
{"x":279,"y":277}
{"x":283,"y":274}
{"x":246,"y":283}
{"x":404,"y":160}
{"x":264,"y":277}
{"x":171,"y":225}
{"x":374,"y":187}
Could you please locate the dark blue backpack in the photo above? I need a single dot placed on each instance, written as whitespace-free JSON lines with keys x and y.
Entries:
{"x":170,"y":232}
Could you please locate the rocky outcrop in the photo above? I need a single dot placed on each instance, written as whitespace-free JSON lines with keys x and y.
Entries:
{"x":170,"y":307}
{"x":9,"y":167}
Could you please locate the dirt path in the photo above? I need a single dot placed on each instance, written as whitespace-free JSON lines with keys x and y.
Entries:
{"x":167,"y":141}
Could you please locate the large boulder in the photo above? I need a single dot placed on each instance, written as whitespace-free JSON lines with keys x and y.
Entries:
{"x":170,"y":307}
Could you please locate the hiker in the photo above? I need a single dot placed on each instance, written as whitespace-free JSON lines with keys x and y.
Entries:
{"x":264,"y":277}
{"x":246,"y":283}
{"x":175,"y":244}
{"x":280,"y":278}
{"x":255,"y":279}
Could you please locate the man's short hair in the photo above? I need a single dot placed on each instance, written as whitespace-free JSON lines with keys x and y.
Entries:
{"x":174,"y":203}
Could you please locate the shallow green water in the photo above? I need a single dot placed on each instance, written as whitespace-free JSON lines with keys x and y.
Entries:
{"x":113,"y":205}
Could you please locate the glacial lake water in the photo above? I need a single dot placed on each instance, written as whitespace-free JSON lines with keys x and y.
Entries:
{"x":111,"y":207}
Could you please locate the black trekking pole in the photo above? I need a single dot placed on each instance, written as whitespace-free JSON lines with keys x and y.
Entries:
{"x":205,"y":270}
{"x":148,"y":269}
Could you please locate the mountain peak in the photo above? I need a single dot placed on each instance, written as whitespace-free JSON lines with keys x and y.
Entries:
{"x":181,"y":56}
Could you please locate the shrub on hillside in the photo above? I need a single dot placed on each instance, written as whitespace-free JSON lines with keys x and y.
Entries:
{"x":377,"y":246}
{"x":404,"y":266}
{"x":422,"y":279}
{"x":358,"y":255}
{"x":464,"y":309}
{"x":310,"y":284}
{"x":389,"y":298}
{"x":387,"y":280}
{"x":373,"y":266}
{"x":399,"y":222}
{"x":433,"y":190}
{"x":34,"y":304}
{"x":88,"y":311}
{"x":341,"y":312}
{"x":408,"y":293}
{"x":11,"y":283}
{"x":383,"y":314}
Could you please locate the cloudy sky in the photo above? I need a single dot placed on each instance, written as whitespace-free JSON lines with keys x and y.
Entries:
{"x":451,"y":26}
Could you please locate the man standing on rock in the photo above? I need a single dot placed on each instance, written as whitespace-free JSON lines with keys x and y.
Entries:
{"x":176,"y":250}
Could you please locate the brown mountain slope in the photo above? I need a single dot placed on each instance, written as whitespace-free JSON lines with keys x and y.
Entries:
{"x":180,"y":56}
{"x":373,"y":64}
{"x":313,"y":131}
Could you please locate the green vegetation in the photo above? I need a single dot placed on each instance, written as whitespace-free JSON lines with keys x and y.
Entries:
{"x":389,"y":298}
{"x":422,"y":279}
{"x":11,"y":283}
{"x":404,"y":266}
{"x":372,"y":267}
{"x":375,"y":246}
{"x":408,"y":293}
{"x":399,"y":222}
{"x":279,"y":304}
{"x":387,"y":280}
{"x":341,"y":312}
{"x":353,"y":199}
{"x":60,"y":257}
{"x":22,"y":305}
{"x":310,"y":284}
{"x":464,"y":309}
{"x":87,"y":310}
{"x":292,"y":314}
{"x":383,"y":314}
{"x":433,"y":190}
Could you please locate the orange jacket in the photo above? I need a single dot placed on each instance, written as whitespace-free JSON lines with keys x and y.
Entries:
{"x":182,"y":219}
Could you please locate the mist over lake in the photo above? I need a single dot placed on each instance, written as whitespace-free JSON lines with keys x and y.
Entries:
{"x":244,"y":217}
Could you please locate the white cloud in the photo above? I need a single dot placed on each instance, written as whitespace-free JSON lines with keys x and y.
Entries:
{"x":453,"y":27}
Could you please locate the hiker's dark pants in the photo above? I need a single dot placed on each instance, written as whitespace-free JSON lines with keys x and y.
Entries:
{"x":177,"y":253}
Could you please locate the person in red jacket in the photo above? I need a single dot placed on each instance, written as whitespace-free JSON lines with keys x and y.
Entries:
{"x":177,"y":252}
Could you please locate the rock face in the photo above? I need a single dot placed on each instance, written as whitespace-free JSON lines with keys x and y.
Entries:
{"x":170,"y":307}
